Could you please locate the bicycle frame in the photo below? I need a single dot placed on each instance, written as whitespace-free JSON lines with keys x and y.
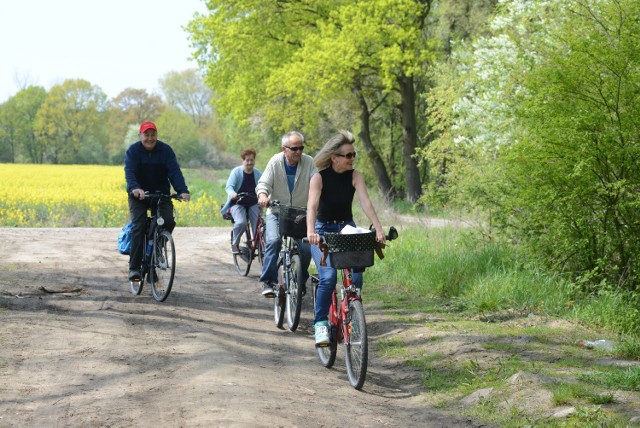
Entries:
{"x":253,"y":246}
{"x":255,"y":238}
{"x":153,"y":228}
{"x":289,"y":246}
{"x":288,"y":266}
{"x":339,"y":309}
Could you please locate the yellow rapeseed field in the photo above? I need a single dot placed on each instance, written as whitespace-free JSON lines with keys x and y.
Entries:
{"x":77,"y":195}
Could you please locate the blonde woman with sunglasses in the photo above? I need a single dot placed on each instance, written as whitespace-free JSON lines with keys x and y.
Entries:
{"x":331,"y":192}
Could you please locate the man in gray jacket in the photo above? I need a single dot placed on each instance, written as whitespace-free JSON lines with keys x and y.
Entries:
{"x":285,"y":179}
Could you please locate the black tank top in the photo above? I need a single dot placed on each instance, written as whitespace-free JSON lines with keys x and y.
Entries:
{"x":337,"y":196}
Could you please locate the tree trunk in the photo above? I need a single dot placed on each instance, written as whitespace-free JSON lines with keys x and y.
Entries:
{"x":410,"y":138}
{"x":379,"y":169}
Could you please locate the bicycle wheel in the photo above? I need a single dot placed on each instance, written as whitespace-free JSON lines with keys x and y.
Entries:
{"x":261,"y":244}
{"x":294,"y":297}
{"x":244,"y":258}
{"x":356,"y":347}
{"x":279,"y":301}
{"x":136,"y":286}
{"x":163,"y":266}
{"x":327,"y":354}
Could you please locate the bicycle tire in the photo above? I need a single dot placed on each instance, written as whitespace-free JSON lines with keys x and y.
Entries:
{"x":327,"y":354}
{"x":163,"y":263}
{"x":136,"y":286}
{"x":243,"y":260}
{"x":294,"y":296}
{"x":261,"y":244}
{"x":356,"y":344}
{"x":279,"y":301}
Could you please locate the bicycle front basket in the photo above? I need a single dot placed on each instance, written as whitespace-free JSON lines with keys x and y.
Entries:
{"x":353,"y":251}
{"x":293,"y":222}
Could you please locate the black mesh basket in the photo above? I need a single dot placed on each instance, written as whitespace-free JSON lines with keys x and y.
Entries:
{"x":293,"y":222}
{"x":353,"y":251}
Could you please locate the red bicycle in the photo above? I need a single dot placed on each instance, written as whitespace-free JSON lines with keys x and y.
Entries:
{"x":347,"y":323}
{"x":251,"y":245}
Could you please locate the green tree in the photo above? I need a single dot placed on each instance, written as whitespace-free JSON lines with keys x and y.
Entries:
{"x":177,"y":129}
{"x":8,"y":137}
{"x":187,"y":92}
{"x":135,"y":106}
{"x":128,"y":109}
{"x":17,"y":119}
{"x":579,"y":146}
{"x":70,"y":119}
{"x":290,"y":62}
{"x":544,"y":133}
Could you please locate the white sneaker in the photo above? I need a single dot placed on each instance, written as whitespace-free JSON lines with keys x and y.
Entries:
{"x":322,"y":333}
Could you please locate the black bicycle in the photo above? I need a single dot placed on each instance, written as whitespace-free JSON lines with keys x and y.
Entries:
{"x":159,"y":259}
{"x":289,"y":291}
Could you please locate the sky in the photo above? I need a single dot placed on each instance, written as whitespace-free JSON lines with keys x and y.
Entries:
{"x":113,"y":44}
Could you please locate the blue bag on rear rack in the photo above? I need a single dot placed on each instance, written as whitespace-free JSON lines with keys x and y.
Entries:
{"x":124,"y":239}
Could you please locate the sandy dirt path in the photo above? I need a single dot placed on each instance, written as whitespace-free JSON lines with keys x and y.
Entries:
{"x":77,"y":349}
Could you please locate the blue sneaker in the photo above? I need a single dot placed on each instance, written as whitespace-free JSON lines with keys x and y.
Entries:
{"x":322,"y":333}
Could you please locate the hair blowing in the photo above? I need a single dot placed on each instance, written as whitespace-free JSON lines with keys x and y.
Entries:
{"x":332,"y":147}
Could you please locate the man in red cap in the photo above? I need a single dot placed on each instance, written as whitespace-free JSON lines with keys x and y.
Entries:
{"x":149,"y":165}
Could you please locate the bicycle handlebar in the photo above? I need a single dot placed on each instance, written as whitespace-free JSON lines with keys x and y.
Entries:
{"x":160,"y":195}
{"x":242,"y":195}
{"x":393,"y":234}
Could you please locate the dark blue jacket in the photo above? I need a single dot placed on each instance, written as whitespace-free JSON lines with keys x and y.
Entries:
{"x":153,"y":171}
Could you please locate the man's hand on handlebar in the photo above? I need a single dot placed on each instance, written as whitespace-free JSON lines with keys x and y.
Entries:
{"x":141,"y":195}
{"x":263,"y":200}
{"x":138,"y":193}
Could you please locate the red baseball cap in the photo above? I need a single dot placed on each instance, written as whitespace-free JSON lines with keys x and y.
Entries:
{"x":147,"y":125}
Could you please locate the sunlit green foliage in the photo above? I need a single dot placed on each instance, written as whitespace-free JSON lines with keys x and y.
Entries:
{"x":542,"y":135}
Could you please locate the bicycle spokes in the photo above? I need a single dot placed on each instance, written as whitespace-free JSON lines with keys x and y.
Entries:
{"x":245,"y":253}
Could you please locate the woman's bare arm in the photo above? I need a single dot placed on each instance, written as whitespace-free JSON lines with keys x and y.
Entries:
{"x":367,"y":206}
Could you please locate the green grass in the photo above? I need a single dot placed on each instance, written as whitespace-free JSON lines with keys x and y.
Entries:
{"x":569,"y":393}
{"x":392,"y":346}
{"x":207,"y":181}
{"x":626,"y":378}
{"x":448,"y":270}
{"x":447,"y":281}
{"x":449,"y":266}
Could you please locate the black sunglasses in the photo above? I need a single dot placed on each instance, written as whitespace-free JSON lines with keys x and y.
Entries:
{"x":351,"y":155}
{"x":295,"y":149}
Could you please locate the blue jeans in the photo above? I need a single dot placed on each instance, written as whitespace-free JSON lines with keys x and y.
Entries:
{"x":273,"y":244}
{"x":239,"y":214}
{"x":328,"y":275}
